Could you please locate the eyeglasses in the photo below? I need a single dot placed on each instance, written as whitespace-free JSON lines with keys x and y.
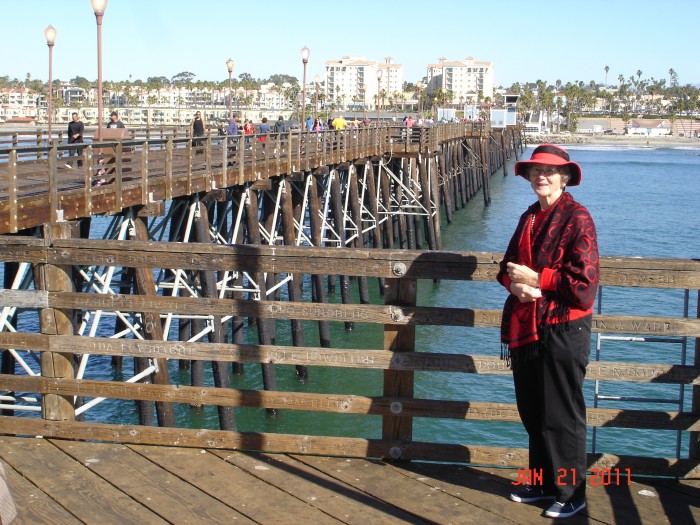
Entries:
{"x":547,"y":171}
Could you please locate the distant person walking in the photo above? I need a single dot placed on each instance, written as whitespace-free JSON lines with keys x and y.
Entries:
{"x":198,"y":129}
{"x":263,"y":129}
{"x":232,"y":129}
{"x":75,"y":136}
{"x":279,"y":125}
{"x":281,"y":128}
{"x":248,"y":131}
{"x":114,"y":121}
{"x":339,"y":123}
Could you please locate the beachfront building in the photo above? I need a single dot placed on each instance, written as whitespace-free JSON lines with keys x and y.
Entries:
{"x":272,"y":96}
{"x":467,"y":81}
{"x":18,"y":103}
{"x":352,"y":81}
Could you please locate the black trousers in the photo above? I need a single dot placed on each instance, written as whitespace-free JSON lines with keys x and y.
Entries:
{"x":549,"y":395}
{"x":78,"y":151}
{"x":198,"y":143}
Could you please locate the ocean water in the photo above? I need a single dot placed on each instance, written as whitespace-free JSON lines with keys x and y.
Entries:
{"x":644,"y":202}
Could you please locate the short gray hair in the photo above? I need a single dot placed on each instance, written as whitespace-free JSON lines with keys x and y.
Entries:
{"x":565,"y":173}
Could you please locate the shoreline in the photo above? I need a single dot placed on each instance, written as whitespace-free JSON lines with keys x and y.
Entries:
{"x":614,"y":140}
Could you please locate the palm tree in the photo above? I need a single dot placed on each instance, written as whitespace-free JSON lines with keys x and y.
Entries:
{"x":292,"y":95}
{"x":606,"y":68}
{"x":547,"y":101}
{"x":594,"y":92}
{"x":382,"y":95}
{"x":672,"y":78}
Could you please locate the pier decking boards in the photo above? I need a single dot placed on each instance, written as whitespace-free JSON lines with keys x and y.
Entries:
{"x":66,"y":482}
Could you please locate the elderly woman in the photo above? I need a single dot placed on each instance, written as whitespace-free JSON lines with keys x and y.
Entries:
{"x":551,"y":270}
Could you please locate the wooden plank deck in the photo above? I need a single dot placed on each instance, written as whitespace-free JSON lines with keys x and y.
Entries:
{"x":55,"y":481}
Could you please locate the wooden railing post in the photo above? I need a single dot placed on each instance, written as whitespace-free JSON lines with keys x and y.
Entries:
{"x":118,"y":176}
{"x":207,"y":279}
{"x":53,"y":321}
{"x":484,"y":152}
{"x":207,"y":159}
{"x":53,"y":183}
{"x":240,"y":155}
{"x":399,"y":338}
{"x":144,"y":283}
{"x":144,"y":172}
{"x":169,"y":170}
{"x":11,"y":185}
{"x":694,"y":448}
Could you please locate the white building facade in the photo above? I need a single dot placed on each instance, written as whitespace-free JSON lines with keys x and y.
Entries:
{"x":468,"y":80}
{"x":352,"y":80}
{"x":19,"y":103}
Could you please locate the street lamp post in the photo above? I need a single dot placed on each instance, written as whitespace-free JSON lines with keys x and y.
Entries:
{"x":317,"y":79}
{"x":50,"y":34}
{"x":305,"y":60}
{"x":229,"y":66}
{"x":380,"y":73}
{"x":99,"y":6}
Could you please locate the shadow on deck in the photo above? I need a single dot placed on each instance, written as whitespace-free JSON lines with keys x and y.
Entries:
{"x":56,"y":481}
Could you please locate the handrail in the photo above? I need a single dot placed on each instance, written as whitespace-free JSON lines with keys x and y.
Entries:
{"x":399,"y":316}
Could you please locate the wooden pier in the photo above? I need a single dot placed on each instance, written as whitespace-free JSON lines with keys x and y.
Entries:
{"x":71,"y":482}
{"x":37,"y":186}
{"x":196,"y":248}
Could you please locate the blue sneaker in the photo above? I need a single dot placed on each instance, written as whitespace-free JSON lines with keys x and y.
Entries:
{"x":530,"y":494}
{"x":564,"y":510}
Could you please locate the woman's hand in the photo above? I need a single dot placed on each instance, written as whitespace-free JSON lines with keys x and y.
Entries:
{"x":525,"y":293}
{"x":523,"y":275}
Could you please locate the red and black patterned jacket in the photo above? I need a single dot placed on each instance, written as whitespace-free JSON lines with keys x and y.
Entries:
{"x":565,"y":253}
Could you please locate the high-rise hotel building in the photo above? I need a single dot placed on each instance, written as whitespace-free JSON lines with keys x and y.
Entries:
{"x":468,"y":80}
{"x":355,"y":76}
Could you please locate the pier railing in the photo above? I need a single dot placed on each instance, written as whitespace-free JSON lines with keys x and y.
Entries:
{"x":404,"y":365}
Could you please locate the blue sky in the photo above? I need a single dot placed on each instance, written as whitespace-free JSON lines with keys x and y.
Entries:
{"x":540,"y":39}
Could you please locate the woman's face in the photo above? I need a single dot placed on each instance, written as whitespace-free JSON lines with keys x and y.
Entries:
{"x":546,"y":181}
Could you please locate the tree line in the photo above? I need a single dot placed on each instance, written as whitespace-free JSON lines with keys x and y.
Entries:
{"x":628,"y":97}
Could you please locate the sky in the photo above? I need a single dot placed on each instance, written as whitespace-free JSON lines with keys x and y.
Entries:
{"x":567,"y":40}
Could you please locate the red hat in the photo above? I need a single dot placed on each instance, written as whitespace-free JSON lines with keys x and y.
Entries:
{"x":553,"y":156}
